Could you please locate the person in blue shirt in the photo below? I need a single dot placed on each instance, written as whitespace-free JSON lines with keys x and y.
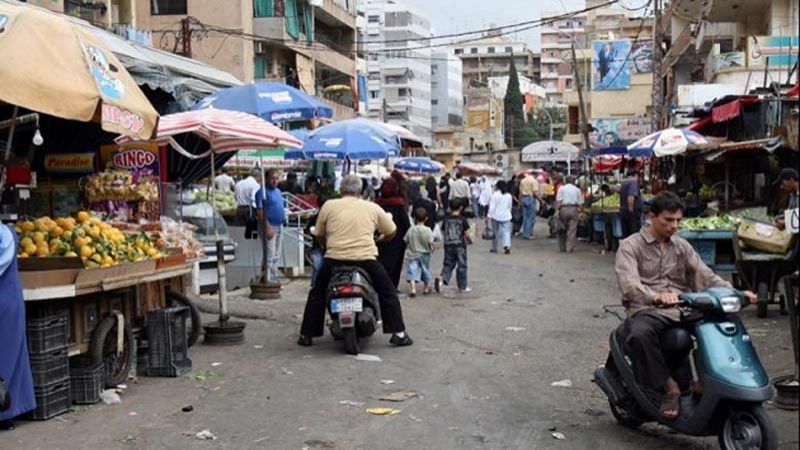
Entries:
{"x":271,"y":216}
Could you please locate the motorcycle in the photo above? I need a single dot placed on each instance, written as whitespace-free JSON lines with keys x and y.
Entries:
{"x":353,"y":306}
{"x":734,"y":383}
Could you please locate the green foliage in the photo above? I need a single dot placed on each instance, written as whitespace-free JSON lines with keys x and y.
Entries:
{"x":513,"y":106}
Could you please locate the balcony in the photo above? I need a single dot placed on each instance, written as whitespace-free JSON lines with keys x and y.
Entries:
{"x":332,"y":13}
{"x":340,"y":111}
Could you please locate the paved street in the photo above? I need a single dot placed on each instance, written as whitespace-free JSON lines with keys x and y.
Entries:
{"x":482,"y":365}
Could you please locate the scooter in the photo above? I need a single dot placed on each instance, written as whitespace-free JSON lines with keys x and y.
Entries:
{"x":353,"y":306}
{"x":734,"y":383}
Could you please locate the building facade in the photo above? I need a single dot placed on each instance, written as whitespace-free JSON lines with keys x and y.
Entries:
{"x":397,"y":47}
{"x":447,"y":99}
{"x":491,"y":56}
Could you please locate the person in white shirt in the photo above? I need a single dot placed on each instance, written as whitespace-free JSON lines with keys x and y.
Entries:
{"x":224,"y":182}
{"x":500,"y":214}
{"x":568,"y":202}
{"x":245,"y":193}
{"x":459,"y":188}
{"x":485,"y":196}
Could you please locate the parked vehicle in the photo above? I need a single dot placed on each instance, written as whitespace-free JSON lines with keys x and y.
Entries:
{"x":734,"y":383}
{"x":353,"y":306}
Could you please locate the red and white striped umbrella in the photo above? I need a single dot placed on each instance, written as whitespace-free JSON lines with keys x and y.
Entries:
{"x":225,"y":130}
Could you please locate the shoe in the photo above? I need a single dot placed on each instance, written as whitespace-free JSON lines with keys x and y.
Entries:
{"x":401,"y":341}
{"x":507,"y":251}
{"x":465,"y":290}
{"x":492,"y":251}
{"x":437,"y":285}
{"x":6,"y":425}
{"x":304,"y":341}
{"x":412,"y":295}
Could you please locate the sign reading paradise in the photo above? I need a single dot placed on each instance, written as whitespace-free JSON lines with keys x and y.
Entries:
{"x":69,"y":163}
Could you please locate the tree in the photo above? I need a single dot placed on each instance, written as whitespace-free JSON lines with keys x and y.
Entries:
{"x":512,"y":105}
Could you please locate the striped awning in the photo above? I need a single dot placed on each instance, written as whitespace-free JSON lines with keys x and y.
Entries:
{"x":225,"y":130}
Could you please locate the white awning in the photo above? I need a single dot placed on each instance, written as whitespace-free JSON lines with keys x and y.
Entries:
{"x":544,"y":151}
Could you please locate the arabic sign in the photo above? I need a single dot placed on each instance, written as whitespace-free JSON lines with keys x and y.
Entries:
{"x":131,"y":156}
{"x":612,"y":70}
{"x":781,"y":50}
{"x":69,"y":163}
{"x":617,"y":132}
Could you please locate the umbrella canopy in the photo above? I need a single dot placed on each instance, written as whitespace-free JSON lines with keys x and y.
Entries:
{"x":275,"y":102}
{"x":418,"y":165}
{"x":671,"y":141}
{"x":226,"y":131}
{"x":349,"y":139}
{"x":57,"y":67}
{"x":543,"y":151}
{"x":404,"y":134}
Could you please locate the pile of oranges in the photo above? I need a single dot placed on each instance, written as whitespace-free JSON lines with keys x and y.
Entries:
{"x":96,"y":242}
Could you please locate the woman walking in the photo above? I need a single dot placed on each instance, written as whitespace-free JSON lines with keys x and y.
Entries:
{"x":500,"y":214}
{"x":392,"y":200}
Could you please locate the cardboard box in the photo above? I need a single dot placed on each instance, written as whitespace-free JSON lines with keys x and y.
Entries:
{"x":47,"y":278}
{"x":764,"y":236}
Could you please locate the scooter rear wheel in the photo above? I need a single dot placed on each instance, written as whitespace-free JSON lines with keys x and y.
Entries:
{"x":748,"y":426}
{"x":350,"y":341}
{"x":624,"y":417}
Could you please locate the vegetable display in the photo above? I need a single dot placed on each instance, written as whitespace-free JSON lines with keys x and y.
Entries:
{"x":223,"y":201}
{"x":721,"y":222}
{"x":608,"y":203}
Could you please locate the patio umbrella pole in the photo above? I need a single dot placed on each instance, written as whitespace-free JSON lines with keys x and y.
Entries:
{"x":7,"y":153}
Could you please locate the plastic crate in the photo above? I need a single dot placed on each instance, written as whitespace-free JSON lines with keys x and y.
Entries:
{"x":142,"y":356}
{"x":86,"y":380}
{"x":50,"y":367}
{"x":598,"y":223}
{"x":48,"y":333}
{"x":51,"y":400}
{"x":167,"y":339}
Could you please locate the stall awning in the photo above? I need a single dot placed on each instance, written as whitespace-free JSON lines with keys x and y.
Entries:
{"x":731,"y":110}
{"x":544,"y":151}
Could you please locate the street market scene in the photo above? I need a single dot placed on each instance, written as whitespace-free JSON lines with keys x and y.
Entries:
{"x":351,"y":224}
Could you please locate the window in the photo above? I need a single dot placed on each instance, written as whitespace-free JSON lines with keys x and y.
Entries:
{"x":459,"y":51}
{"x":491,"y":49}
{"x":509,"y":50}
{"x":374,"y":19}
{"x":402,"y":92}
{"x":167,"y":7}
{"x":259,"y":67}
{"x":473,"y":50}
{"x":434,"y":102}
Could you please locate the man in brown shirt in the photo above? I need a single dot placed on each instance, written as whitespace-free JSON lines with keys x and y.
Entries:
{"x":653,"y":267}
{"x":346,"y":228}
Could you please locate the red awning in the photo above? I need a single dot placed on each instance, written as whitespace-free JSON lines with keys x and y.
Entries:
{"x":793,"y":92}
{"x":700,"y":124}
{"x":732,"y":109}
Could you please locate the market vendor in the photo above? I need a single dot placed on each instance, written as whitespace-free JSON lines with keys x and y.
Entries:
{"x":271,"y":216}
{"x":245,"y":191}
{"x":15,"y":367}
{"x":788,"y":181}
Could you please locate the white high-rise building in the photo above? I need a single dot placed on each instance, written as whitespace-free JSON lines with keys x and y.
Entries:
{"x":447,"y":100}
{"x":397,"y":46}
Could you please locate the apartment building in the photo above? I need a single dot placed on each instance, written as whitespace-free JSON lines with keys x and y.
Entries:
{"x":491,"y":56}
{"x":447,"y":99}
{"x":397,"y":46}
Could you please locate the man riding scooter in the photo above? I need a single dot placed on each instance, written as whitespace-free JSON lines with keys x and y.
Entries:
{"x":346,"y":228}
{"x":653,"y":267}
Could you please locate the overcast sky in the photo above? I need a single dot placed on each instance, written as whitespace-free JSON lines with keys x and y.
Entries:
{"x":453,"y":16}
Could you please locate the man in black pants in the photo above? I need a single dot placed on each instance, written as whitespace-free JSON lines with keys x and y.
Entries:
{"x":345,"y":228}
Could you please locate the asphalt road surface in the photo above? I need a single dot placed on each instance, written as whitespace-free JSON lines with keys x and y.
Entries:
{"x":481,"y":367}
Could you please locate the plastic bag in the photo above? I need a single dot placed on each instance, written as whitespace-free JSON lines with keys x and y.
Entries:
{"x":437,"y":233}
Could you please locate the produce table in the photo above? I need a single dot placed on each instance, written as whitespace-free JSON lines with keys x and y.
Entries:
{"x":715,"y":247}
{"x":608,"y":225}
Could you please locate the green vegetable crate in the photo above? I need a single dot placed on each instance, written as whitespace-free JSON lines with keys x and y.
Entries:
{"x":715,"y":248}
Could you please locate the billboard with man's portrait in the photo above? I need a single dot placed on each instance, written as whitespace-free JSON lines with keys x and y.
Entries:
{"x":611,"y":64}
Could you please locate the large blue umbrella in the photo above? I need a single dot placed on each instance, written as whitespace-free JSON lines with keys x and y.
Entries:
{"x":349,"y":139}
{"x":418,"y":165}
{"x":274,"y":102}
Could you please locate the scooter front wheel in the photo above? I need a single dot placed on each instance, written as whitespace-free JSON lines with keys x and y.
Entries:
{"x":746,"y":427}
{"x":624,"y":417}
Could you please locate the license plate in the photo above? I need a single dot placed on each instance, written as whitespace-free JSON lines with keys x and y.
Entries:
{"x":350,"y":304}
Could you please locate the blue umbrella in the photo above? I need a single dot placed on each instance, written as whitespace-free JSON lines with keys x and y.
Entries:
{"x":418,"y":165}
{"x":274,"y":102}
{"x":349,"y":139}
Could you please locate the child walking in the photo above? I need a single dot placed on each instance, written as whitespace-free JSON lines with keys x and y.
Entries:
{"x":456,"y":237}
{"x":419,"y":245}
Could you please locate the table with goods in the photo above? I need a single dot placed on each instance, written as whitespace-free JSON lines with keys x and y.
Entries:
{"x":712,"y":238}
{"x":606,"y":223}
{"x":99,"y":292}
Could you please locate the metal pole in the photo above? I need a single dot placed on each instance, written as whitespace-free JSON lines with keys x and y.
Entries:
{"x":7,"y":154}
{"x":581,"y":105}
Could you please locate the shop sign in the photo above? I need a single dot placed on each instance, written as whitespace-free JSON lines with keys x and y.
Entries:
{"x":792,"y":220}
{"x":132,"y":156}
{"x":114,"y":115}
{"x":69,"y":163}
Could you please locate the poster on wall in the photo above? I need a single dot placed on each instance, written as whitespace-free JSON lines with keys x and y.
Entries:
{"x":131,"y":156}
{"x":612,"y":70}
{"x":781,"y":50}
{"x":617,"y":132}
{"x":643,"y":57}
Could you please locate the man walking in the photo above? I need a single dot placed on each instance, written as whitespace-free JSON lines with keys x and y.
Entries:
{"x":630,"y":203}
{"x":568,"y":202}
{"x":460,"y":189}
{"x":530,"y":200}
{"x":271,"y":215}
{"x":245,"y":192}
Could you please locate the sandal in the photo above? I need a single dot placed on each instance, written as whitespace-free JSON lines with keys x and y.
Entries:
{"x":670,"y":402}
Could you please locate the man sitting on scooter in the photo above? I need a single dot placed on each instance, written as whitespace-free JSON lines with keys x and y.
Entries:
{"x":653,"y":267}
{"x":345,"y":229}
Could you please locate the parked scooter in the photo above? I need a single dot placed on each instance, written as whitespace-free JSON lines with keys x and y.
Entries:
{"x":734,"y":383}
{"x":353,"y":306}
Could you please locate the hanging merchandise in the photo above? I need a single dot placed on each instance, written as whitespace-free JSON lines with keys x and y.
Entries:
{"x":124,"y":195}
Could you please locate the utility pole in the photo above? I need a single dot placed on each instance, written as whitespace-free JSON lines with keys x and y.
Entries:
{"x":186,"y":37}
{"x":584,"y":127}
{"x":657,"y":102}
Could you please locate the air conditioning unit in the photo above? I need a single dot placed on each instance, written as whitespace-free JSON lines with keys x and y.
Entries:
{"x":501,"y":161}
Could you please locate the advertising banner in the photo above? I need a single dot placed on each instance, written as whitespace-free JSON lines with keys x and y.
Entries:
{"x":612,"y":70}
{"x":617,"y":132}
{"x":130,"y":156}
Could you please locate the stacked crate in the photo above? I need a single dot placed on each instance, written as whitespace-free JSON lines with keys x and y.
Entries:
{"x":168,"y":354}
{"x":48,"y":337}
